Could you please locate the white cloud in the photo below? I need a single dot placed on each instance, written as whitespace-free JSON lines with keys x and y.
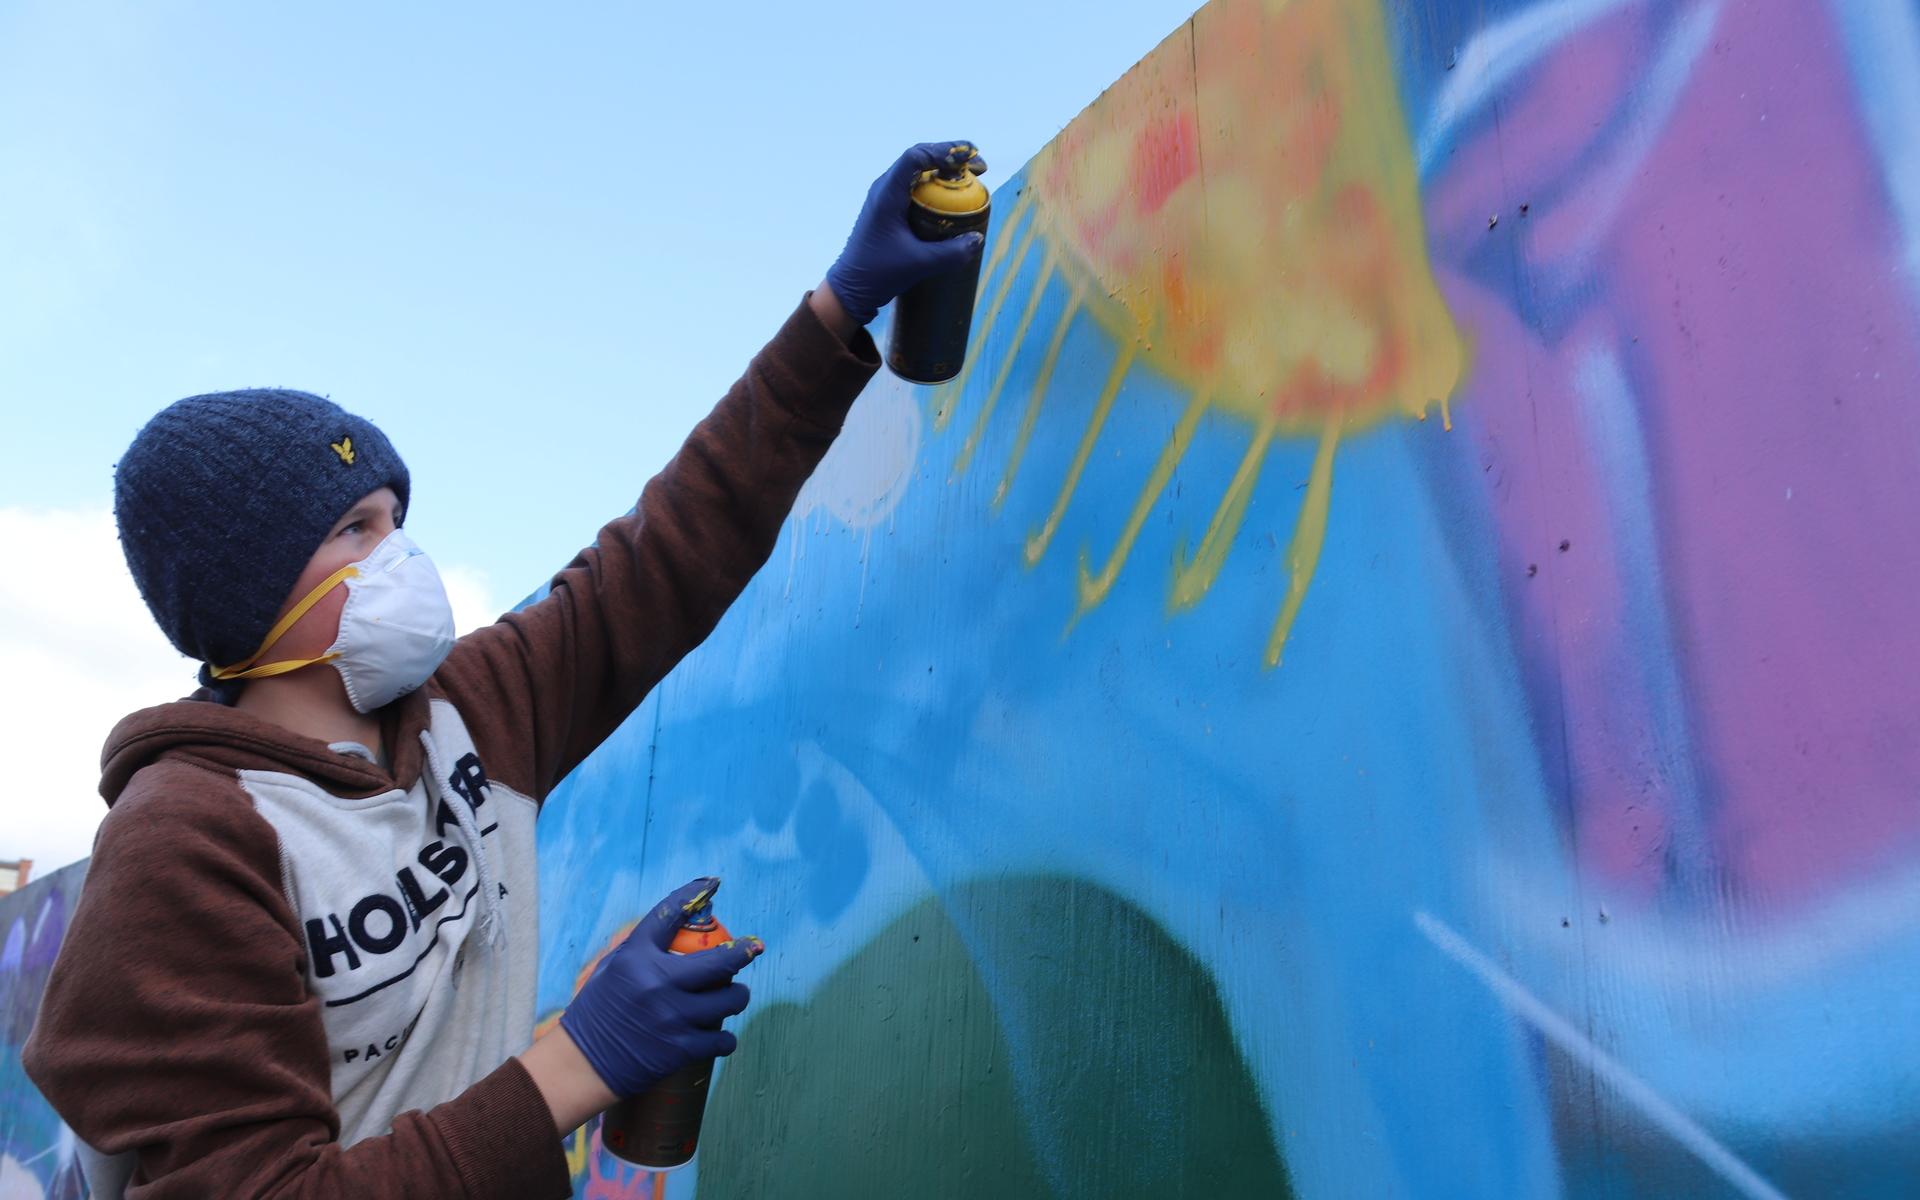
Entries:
{"x":78,"y":651}
{"x":471,"y":595}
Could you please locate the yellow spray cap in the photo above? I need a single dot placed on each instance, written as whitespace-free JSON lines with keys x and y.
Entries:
{"x":954,"y":187}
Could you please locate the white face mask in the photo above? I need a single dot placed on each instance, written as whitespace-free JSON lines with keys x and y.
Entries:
{"x":395,"y":630}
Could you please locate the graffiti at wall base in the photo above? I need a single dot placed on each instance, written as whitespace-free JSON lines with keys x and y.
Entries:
{"x":37,"y":1150}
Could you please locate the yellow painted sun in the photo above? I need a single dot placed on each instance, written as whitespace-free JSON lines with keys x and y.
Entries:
{"x":1240,"y":214}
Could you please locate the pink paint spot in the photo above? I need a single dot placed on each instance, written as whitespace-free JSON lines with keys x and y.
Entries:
{"x":611,"y":1178}
{"x":1164,"y":156}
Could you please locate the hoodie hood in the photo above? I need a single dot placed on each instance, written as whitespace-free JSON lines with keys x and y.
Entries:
{"x":204,"y":732}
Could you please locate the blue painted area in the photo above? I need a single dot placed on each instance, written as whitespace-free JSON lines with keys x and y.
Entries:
{"x":1283,"y":825}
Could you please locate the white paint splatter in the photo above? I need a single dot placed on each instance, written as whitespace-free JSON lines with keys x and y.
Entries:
{"x":864,"y":476}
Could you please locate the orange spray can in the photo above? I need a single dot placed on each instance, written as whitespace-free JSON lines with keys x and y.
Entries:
{"x":660,"y":1128}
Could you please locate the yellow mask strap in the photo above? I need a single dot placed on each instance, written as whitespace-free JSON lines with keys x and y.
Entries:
{"x":244,"y":669}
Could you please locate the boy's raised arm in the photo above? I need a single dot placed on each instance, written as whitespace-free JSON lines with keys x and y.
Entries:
{"x":554,"y":679}
{"x":558,"y":677}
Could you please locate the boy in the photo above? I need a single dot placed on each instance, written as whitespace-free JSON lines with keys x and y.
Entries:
{"x":303,"y":964}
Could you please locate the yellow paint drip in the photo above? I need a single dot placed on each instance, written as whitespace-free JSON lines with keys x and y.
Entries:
{"x":1094,"y":588}
{"x":1309,"y":534}
{"x":1006,"y":366}
{"x":1040,"y":382}
{"x":577,"y":1152}
{"x":1038,"y":541}
{"x":951,"y":393}
{"x":1192,"y":578}
{"x":1004,"y":237}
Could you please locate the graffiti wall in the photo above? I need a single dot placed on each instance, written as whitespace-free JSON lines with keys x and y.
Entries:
{"x":37,"y":1150}
{"x":1391,"y":674}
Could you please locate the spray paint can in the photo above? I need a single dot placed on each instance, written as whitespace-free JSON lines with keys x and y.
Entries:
{"x":933,"y":318}
{"x":660,"y":1128}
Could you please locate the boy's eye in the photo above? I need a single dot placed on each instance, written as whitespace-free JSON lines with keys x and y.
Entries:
{"x":353,"y":528}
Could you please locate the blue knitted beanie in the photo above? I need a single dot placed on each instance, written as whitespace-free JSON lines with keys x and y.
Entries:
{"x":222,"y":499}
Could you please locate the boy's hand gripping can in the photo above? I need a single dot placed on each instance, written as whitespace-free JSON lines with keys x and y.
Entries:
{"x":660,"y":1128}
{"x":933,"y":318}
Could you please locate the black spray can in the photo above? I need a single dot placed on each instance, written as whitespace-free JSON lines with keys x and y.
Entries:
{"x":660,"y":1128}
{"x":932,"y":319}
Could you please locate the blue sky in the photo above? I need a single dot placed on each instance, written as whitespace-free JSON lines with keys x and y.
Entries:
{"x":534,"y":244}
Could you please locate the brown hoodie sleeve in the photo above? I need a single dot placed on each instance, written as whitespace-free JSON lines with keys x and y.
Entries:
{"x":177,"y":1023}
{"x":542,"y":687}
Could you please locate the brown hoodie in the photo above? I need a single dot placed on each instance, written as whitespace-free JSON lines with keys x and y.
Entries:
{"x":296,"y":973}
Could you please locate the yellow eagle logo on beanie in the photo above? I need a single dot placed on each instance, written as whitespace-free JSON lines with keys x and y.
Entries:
{"x":344,"y":448}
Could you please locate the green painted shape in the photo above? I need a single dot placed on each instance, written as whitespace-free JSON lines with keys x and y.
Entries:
{"x":901,"y":1078}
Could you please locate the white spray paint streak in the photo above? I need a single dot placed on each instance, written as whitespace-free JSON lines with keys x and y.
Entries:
{"x":27,"y":1162}
{"x":40,"y":921}
{"x":1624,"y":167}
{"x":1496,"y":55}
{"x":1558,"y":1030}
{"x":1610,"y":416}
{"x":1883,"y":40}
{"x":1683,"y":953}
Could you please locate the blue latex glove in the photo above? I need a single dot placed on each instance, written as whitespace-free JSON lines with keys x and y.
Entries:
{"x":883,"y":256}
{"x":646,"y":1012}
